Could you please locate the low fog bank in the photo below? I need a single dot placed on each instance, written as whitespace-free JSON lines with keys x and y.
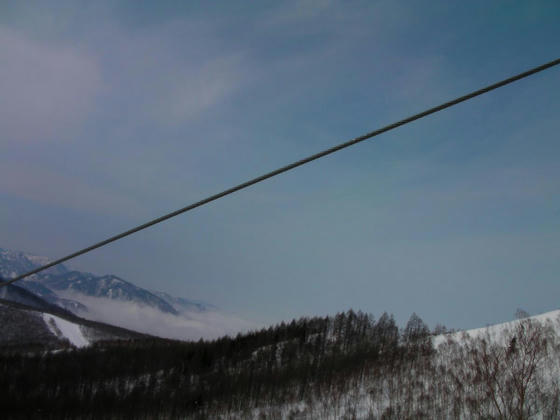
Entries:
{"x":186,"y":326}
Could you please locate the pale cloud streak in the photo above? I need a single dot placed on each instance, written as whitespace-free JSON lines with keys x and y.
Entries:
{"x":48,"y":91}
{"x":170,"y":74}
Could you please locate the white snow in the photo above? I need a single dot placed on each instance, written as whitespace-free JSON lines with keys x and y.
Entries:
{"x":67,"y":329}
{"x":495,"y":331}
{"x":37,"y":259}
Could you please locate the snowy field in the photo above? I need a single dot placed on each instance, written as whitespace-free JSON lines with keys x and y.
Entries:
{"x":66,"y":329}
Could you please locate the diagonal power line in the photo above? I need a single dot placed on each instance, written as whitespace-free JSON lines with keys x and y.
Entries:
{"x":292,"y":166}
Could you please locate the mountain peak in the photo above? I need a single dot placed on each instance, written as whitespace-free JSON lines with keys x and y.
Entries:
{"x":14,"y":263}
{"x":112,"y":299}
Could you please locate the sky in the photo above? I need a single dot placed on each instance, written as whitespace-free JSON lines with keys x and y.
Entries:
{"x":116,"y":112}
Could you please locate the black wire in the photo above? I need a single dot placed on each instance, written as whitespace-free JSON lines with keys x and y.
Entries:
{"x":291,"y":166}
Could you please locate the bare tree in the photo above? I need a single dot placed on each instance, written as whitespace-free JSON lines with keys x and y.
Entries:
{"x":521,"y":314}
{"x":505,"y":377}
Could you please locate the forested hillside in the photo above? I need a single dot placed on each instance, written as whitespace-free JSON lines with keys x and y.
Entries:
{"x":24,"y":329}
{"x":347,"y":366}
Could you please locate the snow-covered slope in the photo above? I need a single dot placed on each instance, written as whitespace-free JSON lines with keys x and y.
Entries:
{"x":496,"y":332}
{"x":25,"y":327}
{"x":507,"y":370}
{"x":66,"y":329}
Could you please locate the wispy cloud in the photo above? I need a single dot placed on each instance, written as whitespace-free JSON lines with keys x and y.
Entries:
{"x":171,"y":73}
{"x":47,"y":91}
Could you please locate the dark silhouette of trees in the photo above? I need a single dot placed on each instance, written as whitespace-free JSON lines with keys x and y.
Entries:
{"x":331,"y":365}
{"x":416,"y":335}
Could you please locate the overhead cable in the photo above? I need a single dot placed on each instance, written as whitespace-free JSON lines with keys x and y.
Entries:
{"x":290,"y":167}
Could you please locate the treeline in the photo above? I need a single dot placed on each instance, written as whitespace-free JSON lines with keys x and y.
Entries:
{"x":346,"y":366}
{"x":288,"y":362}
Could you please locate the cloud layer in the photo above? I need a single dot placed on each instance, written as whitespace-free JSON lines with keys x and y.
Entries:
{"x":186,"y":326}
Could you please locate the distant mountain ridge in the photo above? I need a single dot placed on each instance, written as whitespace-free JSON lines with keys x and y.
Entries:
{"x":62,"y":287}
{"x":14,"y":263}
{"x":181,"y":304}
{"x":111,"y":299}
{"x":108,"y":286}
{"x":36,"y":287}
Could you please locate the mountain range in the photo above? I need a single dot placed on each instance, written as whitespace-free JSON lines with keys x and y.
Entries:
{"x":111,"y":299}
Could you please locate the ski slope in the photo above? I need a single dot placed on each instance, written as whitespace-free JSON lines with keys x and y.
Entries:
{"x":66,"y":329}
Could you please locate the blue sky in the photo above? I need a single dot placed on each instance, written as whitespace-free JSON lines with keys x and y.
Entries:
{"x":113,"y":113}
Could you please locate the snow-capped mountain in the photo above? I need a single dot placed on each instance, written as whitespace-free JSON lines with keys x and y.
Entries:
{"x":182,"y":305}
{"x":13,"y":263}
{"x":36,"y":287}
{"x":111,"y":287}
{"x":63,"y":287}
{"x":113,"y":300}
